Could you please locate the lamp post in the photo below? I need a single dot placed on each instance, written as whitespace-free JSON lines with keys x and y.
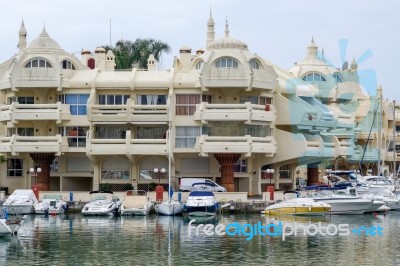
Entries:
{"x":270,"y":172}
{"x":159,"y":188}
{"x":162,"y":171}
{"x":35,"y":172}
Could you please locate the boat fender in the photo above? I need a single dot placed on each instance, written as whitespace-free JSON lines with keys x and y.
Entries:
{"x":309,"y":208}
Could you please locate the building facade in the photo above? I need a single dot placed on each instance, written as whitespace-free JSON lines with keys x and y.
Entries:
{"x":222,"y":113}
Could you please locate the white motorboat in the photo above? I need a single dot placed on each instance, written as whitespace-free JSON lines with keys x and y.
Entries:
{"x":136,"y":202}
{"x":201,"y":204}
{"x":377,"y":204}
{"x":102,"y":203}
{"x":298,"y":206}
{"x":52,"y":204}
{"x":341,"y":204}
{"x":22,"y":201}
{"x":10,"y":226}
{"x":377,"y":183}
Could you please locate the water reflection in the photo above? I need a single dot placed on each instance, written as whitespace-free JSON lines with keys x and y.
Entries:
{"x":162,"y":240}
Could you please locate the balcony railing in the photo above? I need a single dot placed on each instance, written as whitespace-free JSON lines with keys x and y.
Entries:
{"x":246,"y":112}
{"x":247,"y":145}
{"x":34,"y":112}
{"x":33,"y":144}
{"x":136,"y":114}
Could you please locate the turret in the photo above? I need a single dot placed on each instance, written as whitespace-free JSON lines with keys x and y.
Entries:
{"x":110,"y":61}
{"x":151,"y":63}
{"x":210,"y":30}
{"x":22,"y":36}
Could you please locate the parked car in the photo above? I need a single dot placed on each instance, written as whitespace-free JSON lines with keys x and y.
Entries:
{"x":191,"y":184}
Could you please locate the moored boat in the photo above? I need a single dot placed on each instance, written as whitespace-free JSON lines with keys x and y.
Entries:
{"x":298,"y":206}
{"x":51,"y":204}
{"x":101,"y":203}
{"x":201,"y":204}
{"x":136,"y":202}
{"x":21,"y":201}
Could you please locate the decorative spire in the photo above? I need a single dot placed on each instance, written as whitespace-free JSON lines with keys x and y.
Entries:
{"x":226,"y":28}
{"x":44,"y":32}
{"x":353,"y":65}
{"x":312,"y":49}
{"x":210,"y":29}
{"x":22,"y":36}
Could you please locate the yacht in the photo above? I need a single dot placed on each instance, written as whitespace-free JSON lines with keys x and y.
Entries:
{"x":102,"y":203}
{"x":52,"y":204}
{"x":136,"y":202}
{"x":298,"y":206}
{"x":341,"y":204}
{"x":10,"y":225}
{"x":22,"y":201}
{"x":201,"y":204}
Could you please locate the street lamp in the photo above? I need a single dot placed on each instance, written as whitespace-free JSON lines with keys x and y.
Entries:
{"x":35,"y":171}
{"x":159,"y":173}
{"x":270,"y":172}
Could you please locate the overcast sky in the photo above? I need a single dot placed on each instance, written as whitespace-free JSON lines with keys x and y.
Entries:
{"x":279,"y":31}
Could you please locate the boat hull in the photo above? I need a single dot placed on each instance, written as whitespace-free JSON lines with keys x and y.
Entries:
{"x":137,"y":211}
{"x":16,"y":209}
{"x":169,"y":208}
{"x":313,"y":211}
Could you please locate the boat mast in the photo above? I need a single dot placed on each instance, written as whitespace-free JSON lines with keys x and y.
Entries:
{"x":169,"y":163}
{"x":379,"y":129}
{"x":394,"y":139}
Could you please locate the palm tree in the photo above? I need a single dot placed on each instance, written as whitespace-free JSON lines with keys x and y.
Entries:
{"x":135,"y":54}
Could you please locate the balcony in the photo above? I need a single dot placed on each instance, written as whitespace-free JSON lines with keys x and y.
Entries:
{"x":246,"y":145}
{"x":138,"y":114}
{"x":33,"y":144}
{"x":246,"y":112}
{"x":126,"y":146}
{"x":35,"y":112}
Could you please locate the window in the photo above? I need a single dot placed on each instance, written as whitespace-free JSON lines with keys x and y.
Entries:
{"x":240,"y":166}
{"x":77,"y":102}
{"x":337,"y":78}
{"x":313,"y":77}
{"x":186,"y":136}
{"x":38,"y":63}
{"x":265,"y":100}
{"x":14,"y":167}
{"x":186,"y":103}
{"x":151,"y":99}
{"x":254,"y":64}
{"x":21,"y":131}
{"x":115,"y":132}
{"x":54,"y":166}
{"x":151,"y":132}
{"x":113,"y":99}
{"x":25,"y":100}
{"x":199,"y":64}
{"x":66,"y":64}
{"x":226,"y":62}
{"x":257,"y":131}
{"x":76,"y":135}
{"x":251,"y":99}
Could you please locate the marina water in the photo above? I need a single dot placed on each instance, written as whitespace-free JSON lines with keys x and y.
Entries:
{"x":74,"y":239}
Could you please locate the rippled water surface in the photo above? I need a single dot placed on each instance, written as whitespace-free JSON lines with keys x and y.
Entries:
{"x":77,"y":240}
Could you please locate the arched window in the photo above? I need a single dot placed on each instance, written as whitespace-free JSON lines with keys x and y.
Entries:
{"x":66,"y":64}
{"x":199,"y":64}
{"x":313,"y":77}
{"x":226,"y":62}
{"x":337,"y":78}
{"x":254,"y":64}
{"x":38,"y":63}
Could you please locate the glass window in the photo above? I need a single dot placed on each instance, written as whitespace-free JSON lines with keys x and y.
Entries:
{"x":38,"y":63}
{"x":226,"y":62}
{"x":254,"y":64}
{"x":14,"y":167}
{"x":337,"y":78}
{"x":77,"y":103}
{"x":66,"y":64}
{"x":314,"y":77}
{"x":26,"y":100}
{"x":76,"y":135}
{"x":108,"y":132}
{"x":151,"y":132}
{"x":199,"y":64}
{"x":240,"y":166}
{"x":186,"y":103}
{"x":186,"y":136}
{"x":265,"y":100}
{"x":151,"y":99}
{"x":251,"y":99}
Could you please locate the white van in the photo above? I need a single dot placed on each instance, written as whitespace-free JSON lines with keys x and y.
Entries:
{"x":189,"y":184}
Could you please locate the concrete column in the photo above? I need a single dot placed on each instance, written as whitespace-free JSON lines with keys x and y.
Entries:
{"x":312,"y":174}
{"x":43,"y":160}
{"x":227,"y":162}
